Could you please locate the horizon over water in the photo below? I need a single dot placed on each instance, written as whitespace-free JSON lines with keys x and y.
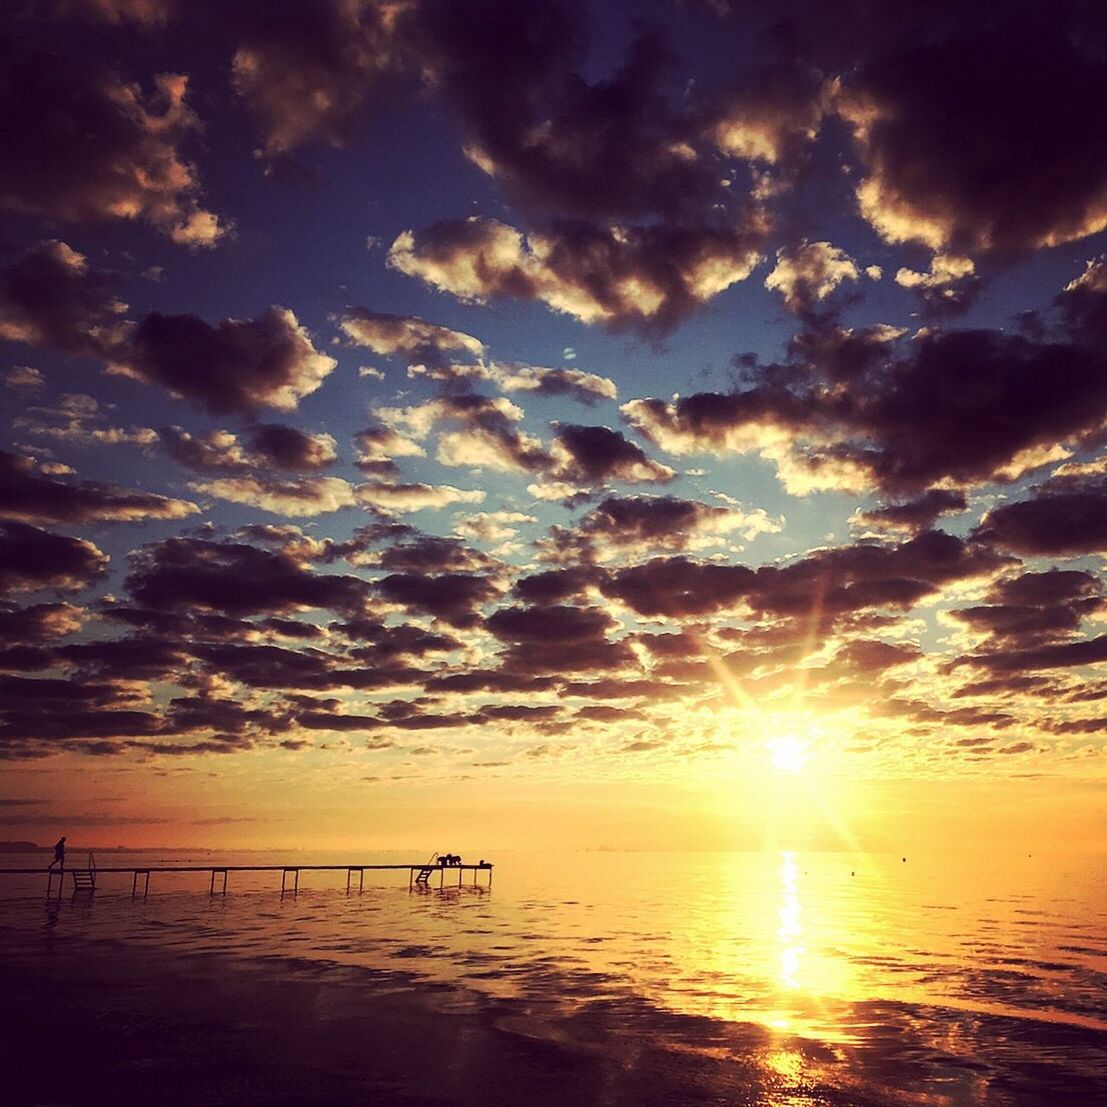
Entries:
{"x":820,"y":978}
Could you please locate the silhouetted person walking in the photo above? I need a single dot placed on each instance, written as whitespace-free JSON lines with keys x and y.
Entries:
{"x":59,"y":854}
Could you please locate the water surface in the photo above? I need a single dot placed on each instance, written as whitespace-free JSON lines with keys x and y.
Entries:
{"x":873,"y":978}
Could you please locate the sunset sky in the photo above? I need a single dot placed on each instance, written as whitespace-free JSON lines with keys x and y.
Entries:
{"x":479,"y":424}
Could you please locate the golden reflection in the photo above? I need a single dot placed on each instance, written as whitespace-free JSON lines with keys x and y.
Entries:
{"x":790,"y":931}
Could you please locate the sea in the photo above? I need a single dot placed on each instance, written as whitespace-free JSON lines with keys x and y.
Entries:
{"x":809,"y":978}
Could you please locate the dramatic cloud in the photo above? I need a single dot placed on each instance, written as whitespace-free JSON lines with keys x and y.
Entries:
{"x":1020,"y":169}
{"x":29,"y":496}
{"x":774,"y":118}
{"x":452,"y":597}
{"x":650,"y":277}
{"x":836,"y":581}
{"x":1035,"y":606}
{"x":83,"y":143}
{"x":692,"y":217}
{"x":585,"y":388}
{"x":1052,"y":523}
{"x":808,"y":274}
{"x":409,"y":337}
{"x":545,"y":134}
{"x":652,"y":524}
{"x":235,"y":579}
{"x":856,"y":411}
{"x":22,"y":378}
{"x":595,"y":455}
{"x":292,"y":449}
{"x":33,"y":559}
{"x":296,"y":498}
{"x":234,"y":366}
{"x":947,"y":287}
{"x":80,"y":419}
{"x":914,"y":515}
{"x":304,"y":71}
{"x":43,"y":622}
{"x":488,"y":435}
{"x":387,"y":498}
{"x":50,"y":297}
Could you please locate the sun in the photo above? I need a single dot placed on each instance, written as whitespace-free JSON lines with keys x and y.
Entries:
{"x":788,"y":753}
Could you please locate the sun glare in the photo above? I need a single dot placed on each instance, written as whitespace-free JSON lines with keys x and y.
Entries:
{"x":788,"y":753}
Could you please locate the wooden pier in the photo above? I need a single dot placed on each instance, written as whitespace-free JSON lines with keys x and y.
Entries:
{"x":420,"y":875}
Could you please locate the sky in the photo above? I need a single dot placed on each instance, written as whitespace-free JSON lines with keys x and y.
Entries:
{"x":472,"y":424}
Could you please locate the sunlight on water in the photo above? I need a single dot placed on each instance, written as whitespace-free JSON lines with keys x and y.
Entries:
{"x":970,"y":961}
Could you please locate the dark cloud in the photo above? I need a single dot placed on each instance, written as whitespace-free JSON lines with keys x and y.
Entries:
{"x":49,"y":296}
{"x":549,"y":624}
{"x":291,"y":449}
{"x":585,"y":388}
{"x":455,"y":598}
{"x":544,"y":133}
{"x":304,"y":71}
{"x":29,"y":496}
{"x":1034,"y":607}
{"x":1022,"y":168}
{"x":83,"y":143}
{"x":854,"y":411}
{"x":678,"y":587}
{"x":595,"y":455}
{"x":557,"y":585}
{"x":429,"y":553}
{"x":1063,"y":655}
{"x":235,"y":579}
{"x":234,"y":366}
{"x":40,"y":716}
{"x":652,"y":524}
{"x":489,"y":436}
{"x":496,"y":681}
{"x":145,"y":13}
{"x":33,"y":559}
{"x":593,"y":654}
{"x":914,"y":515}
{"x":833,"y":582}
{"x":42,"y":622}
{"x":1051,"y":523}
{"x":267,"y":445}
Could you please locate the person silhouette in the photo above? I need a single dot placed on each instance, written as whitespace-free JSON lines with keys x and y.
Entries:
{"x":59,"y":854}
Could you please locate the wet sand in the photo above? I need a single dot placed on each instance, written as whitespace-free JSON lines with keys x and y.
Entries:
{"x":103,"y":1022}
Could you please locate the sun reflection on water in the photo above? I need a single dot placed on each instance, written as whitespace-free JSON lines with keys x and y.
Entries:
{"x":790,"y":930}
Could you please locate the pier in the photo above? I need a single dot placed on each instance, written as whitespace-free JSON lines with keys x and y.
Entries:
{"x":421,"y":875}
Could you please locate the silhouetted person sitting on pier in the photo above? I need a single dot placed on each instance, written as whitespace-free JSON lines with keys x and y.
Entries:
{"x":59,"y":854}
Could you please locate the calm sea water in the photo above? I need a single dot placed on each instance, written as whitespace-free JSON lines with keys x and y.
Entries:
{"x":964,"y":969}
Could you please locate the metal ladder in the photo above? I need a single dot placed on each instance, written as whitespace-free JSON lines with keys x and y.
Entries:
{"x":425,"y":872}
{"x":84,"y":880}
